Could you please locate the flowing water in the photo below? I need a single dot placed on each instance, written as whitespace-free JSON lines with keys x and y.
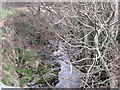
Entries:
{"x":69,"y":76}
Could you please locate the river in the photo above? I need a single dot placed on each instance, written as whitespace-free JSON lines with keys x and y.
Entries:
{"x":69,"y":76}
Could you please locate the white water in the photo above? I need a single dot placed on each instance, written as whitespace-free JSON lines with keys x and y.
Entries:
{"x":69,"y":76}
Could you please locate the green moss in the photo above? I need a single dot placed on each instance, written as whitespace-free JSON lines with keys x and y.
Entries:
{"x":22,"y":71}
{"x":8,"y":67}
{"x":4,"y":50}
{"x":26,"y":72}
{"x":26,"y":75}
{"x":56,"y":73}
{"x":17,"y":47}
{"x":27,"y":56}
{"x":4,"y":13}
{"x":48,"y":79}
{"x":42,"y":55}
{"x":23,"y":80}
{"x":45,"y":70}
{"x":7,"y":80}
{"x":40,"y":81}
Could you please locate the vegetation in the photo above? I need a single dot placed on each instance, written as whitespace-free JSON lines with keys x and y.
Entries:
{"x":4,"y":13}
{"x":30,"y":35}
{"x":7,"y":80}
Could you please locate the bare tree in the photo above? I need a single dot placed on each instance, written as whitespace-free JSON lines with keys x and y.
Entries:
{"x":90,"y":30}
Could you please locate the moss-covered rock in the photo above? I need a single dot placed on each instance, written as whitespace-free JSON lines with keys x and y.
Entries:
{"x":23,"y":80}
{"x":25,"y":71}
{"x":8,"y":74}
{"x":46,"y":80}
{"x":46,"y":75}
{"x":7,"y":80}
